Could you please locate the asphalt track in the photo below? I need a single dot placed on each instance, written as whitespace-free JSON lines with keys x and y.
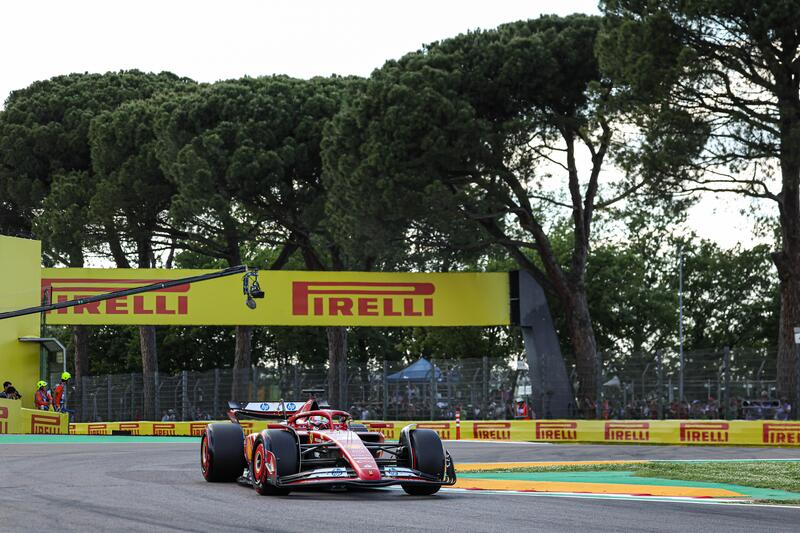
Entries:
{"x":156,"y":486}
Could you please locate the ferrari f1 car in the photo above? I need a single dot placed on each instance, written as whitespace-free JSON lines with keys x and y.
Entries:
{"x":308,"y":447}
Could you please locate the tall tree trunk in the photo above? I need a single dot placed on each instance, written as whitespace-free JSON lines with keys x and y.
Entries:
{"x":787,"y":261}
{"x":581,"y":334}
{"x":242,"y":363}
{"x":147,"y":346}
{"x":80,"y":339}
{"x":789,"y":319}
{"x":337,"y":366}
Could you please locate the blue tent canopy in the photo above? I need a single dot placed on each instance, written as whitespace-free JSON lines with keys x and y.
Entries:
{"x":418,"y":371}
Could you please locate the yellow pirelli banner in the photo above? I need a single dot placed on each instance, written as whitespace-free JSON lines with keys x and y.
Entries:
{"x":703,"y":432}
{"x":14,"y":419}
{"x":700,"y":432}
{"x":156,"y":429}
{"x":293,"y":298}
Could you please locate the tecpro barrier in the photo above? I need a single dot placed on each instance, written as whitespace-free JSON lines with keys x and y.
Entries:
{"x":702,"y":432}
{"x":14,"y":419}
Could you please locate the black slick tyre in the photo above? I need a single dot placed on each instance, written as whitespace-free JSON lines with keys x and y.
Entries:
{"x":222,"y":452}
{"x":284,"y":446}
{"x":426,"y":454}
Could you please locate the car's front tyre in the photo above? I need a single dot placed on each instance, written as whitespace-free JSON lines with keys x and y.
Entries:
{"x":426,"y":454}
{"x":284,"y":447}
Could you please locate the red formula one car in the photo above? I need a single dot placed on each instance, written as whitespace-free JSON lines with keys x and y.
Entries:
{"x":309,"y":447}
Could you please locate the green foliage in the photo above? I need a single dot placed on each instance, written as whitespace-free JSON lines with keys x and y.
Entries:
{"x":132,"y":194}
{"x":442,"y":160}
{"x":434,"y":132}
{"x":44,"y":128}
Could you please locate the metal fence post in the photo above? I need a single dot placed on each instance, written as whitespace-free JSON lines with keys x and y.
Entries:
{"x":385,"y":389}
{"x":184,"y":394}
{"x":85,"y":399}
{"x":133,"y":396}
{"x":598,"y":393}
{"x":485,"y":375}
{"x":433,"y":389}
{"x":156,"y":395}
{"x":108,"y":398}
{"x":726,"y":399}
{"x":216,"y":392}
{"x":659,"y":369}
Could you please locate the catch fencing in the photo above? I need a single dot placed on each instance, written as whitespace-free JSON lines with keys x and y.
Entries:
{"x":732,"y":384}
{"x":738,"y":383}
{"x":478,"y":388}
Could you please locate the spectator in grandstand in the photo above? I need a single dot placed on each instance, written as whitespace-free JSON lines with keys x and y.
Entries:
{"x":521,"y":411}
{"x":735,"y":407}
{"x":42,"y":397}
{"x":711,"y":408}
{"x":784,"y":410}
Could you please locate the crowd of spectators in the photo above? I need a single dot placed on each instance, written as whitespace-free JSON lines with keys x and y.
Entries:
{"x":762,"y":408}
{"x":9,"y":392}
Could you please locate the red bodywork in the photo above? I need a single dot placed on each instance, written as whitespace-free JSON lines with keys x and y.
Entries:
{"x":332,"y":453}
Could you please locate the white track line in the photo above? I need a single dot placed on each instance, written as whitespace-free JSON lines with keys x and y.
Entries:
{"x":506,"y":442}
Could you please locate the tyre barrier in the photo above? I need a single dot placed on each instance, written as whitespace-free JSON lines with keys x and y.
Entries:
{"x":702,"y":432}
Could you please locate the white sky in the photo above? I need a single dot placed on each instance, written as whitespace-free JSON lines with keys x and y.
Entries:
{"x":209,"y":41}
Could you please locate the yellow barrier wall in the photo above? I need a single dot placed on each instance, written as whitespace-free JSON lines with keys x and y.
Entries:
{"x":9,"y":416}
{"x":702,"y":432}
{"x":20,"y":286}
{"x":15,"y":419}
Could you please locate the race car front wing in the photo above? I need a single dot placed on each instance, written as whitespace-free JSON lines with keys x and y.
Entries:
{"x":341,"y":476}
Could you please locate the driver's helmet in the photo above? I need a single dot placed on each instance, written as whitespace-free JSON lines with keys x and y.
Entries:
{"x":318,"y":420}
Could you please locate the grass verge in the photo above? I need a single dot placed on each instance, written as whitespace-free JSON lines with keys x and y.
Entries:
{"x":778,"y":475}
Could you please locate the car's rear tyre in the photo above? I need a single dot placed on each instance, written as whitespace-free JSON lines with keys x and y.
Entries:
{"x":426,"y":454}
{"x":284,"y":446}
{"x":222,"y":452}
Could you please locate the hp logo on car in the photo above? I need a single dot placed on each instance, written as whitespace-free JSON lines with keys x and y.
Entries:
{"x":265,"y":406}
{"x":290,"y":406}
{"x":337,"y":472}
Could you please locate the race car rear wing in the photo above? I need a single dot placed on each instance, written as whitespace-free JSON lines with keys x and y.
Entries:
{"x":280,"y":410}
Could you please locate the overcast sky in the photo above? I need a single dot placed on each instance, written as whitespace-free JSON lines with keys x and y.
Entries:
{"x":209,"y":41}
